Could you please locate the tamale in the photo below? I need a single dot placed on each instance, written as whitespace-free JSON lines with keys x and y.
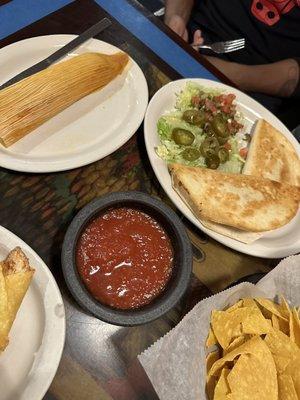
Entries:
{"x":29,"y":103}
{"x":15,"y":277}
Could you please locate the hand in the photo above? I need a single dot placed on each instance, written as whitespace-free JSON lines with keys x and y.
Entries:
{"x":198,"y":39}
{"x":177,"y":24}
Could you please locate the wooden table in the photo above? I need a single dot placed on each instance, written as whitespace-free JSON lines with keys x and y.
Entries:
{"x":99,"y":360}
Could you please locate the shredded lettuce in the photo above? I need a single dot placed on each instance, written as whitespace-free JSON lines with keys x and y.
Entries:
{"x":233,"y":166}
{"x":184,"y":98}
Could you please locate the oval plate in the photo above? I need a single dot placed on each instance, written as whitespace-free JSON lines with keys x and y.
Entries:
{"x":279,"y":243}
{"x":36,"y":340}
{"x":90,"y":129}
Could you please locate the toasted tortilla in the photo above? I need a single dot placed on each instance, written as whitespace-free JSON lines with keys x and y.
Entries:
{"x":244,"y":202}
{"x":282,"y":156}
{"x":271,"y":155}
{"x":233,"y":233}
{"x":15,"y":277}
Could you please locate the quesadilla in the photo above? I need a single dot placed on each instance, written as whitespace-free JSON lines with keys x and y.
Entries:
{"x":259,"y":165}
{"x":271,"y":155}
{"x":244,"y":202}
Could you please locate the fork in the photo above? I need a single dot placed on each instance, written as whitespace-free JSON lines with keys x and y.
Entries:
{"x":223,"y":47}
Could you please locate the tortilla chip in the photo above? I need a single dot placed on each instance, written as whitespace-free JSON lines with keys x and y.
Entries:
{"x":296,"y":327}
{"x":280,"y":344}
{"x":251,"y":372}
{"x":285,"y":308}
{"x":271,"y":308}
{"x":222,"y":388}
{"x":210,"y":386}
{"x":291,"y":328}
{"x":227,"y":324}
{"x":211,"y":358}
{"x":255,"y":323}
{"x":236,"y":305}
{"x":293,"y":369}
{"x":275,"y":322}
{"x":211,"y":339}
{"x":286,"y":388}
{"x":248,"y":302}
{"x":284,"y":326}
{"x":255,"y":346}
{"x":281,"y":363}
{"x":236,"y":343}
{"x":283,"y":349}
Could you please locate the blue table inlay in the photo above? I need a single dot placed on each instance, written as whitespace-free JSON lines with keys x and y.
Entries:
{"x":19,"y":13}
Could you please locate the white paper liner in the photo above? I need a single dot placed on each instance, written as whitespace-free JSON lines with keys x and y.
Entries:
{"x":176,"y":364}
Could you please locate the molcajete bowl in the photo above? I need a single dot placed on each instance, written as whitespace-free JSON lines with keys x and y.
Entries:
{"x":181,"y":266}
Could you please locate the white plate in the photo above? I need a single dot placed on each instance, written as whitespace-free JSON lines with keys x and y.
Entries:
{"x":36,"y":340}
{"x":87,"y":131}
{"x":281,"y":242}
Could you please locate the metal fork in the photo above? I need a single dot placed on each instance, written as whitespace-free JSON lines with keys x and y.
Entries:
{"x":223,"y":47}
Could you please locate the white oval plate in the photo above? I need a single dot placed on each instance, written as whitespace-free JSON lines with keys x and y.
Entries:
{"x":87,"y":131}
{"x":279,"y":243}
{"x":36,"y":340}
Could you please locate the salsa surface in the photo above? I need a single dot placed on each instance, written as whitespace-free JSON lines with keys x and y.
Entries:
{"x":125,"y":258}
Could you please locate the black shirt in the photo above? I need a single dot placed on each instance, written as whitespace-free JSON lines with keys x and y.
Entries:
{"x":271,"y":27}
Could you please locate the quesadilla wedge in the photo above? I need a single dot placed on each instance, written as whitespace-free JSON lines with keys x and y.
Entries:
{"x":271,"y":155}
{"x":245,"y":202}
{"x":255,"y":163}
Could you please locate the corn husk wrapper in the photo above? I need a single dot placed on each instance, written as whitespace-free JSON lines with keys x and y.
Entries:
{"x":29,"y":103}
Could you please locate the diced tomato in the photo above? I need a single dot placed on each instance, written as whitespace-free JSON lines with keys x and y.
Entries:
{"x":234,"y":126}
{"x":226,"y":108}
{"x":209,"y":105}
{"x":217,"y":99}
{"x":196,"y":101}
{"x":243,"y":152}
{"x":230,"y":98}
{"x":227,"y":146}
{"x":226,"y":103}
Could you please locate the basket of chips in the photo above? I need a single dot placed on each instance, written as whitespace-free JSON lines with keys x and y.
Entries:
{"x":243,"y":343}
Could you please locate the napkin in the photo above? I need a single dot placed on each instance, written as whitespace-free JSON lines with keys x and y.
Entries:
{"x":176,"y":364}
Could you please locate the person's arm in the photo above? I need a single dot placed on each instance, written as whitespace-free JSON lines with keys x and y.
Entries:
{"x":177,"y":14}
{"x":181,"y":8}
{"x":277,"y":79}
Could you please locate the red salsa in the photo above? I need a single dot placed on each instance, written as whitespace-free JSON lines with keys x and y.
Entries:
{"x":125,"y":258}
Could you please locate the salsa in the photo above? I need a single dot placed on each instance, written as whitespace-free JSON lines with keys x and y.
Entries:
{"x":124,"y":258}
